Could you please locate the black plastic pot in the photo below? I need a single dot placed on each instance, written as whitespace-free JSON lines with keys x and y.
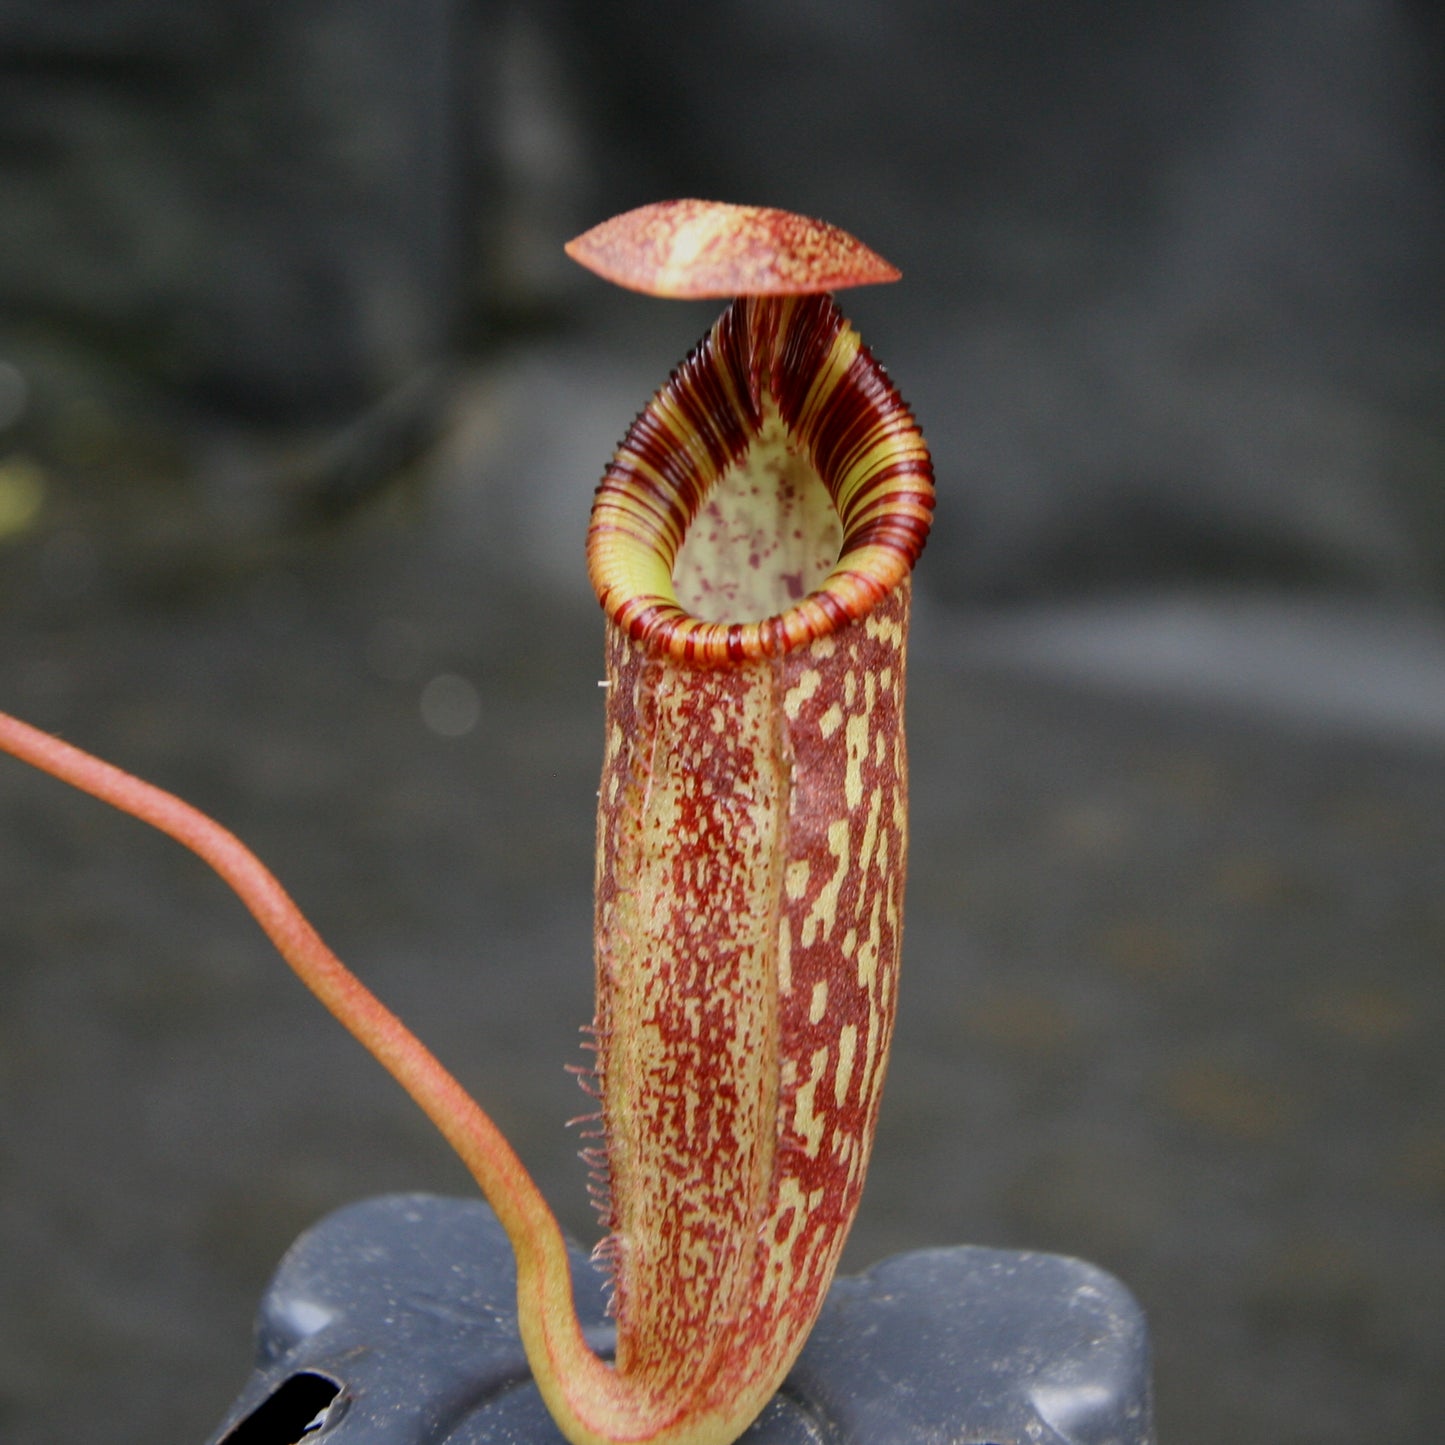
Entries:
{"x":392,"y":1322}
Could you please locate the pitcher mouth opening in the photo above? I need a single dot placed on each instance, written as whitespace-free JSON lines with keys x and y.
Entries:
{"x":783,"y":430}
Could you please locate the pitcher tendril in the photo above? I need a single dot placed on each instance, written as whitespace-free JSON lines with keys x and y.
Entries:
{"x":751,"y":545}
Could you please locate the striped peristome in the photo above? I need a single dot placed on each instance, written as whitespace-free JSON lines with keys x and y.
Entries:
{"x":768,"y":361}
{"x":751,"y":543}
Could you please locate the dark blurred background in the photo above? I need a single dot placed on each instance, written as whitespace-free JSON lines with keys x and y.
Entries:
{"x":300,"y":411}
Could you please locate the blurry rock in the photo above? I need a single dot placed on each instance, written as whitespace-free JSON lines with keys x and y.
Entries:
{"x":250,"y":207}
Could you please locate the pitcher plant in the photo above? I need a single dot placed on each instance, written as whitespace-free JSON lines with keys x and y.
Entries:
{"x":751,"y":545}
